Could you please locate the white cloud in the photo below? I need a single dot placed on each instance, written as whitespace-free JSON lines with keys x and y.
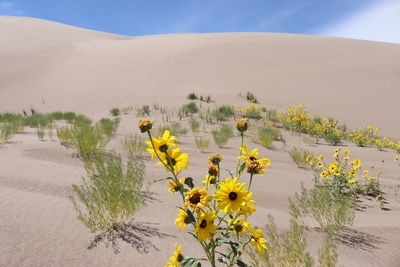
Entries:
{"x":379,"y":22}
{"x":10,"y":9}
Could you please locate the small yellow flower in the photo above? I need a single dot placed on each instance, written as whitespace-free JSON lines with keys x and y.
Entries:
{"x":247,"y":209}
{"x":378,"y":197}
{"x":183,"y":219}
{"x":320,"y":164}
{"x":325,"y":174}
{"x":173,"y":187}
{"x":176,"y":258}
{"x":241,"y":125}
{"x":239,"y":226}
{"x":396,"y":159}
{"x":258,"y":241}
{"x":174,"y":158}
{"x":352,"y":181}
{"x":215,"y":159}
{"x":204,"y":226}
{"x":231,"y":196}
{"x":144,"y":125}
{"x":320,"y":157}
{"x":196,"y":198}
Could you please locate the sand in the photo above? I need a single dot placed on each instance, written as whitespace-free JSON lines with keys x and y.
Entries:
{"x":51,"y":66}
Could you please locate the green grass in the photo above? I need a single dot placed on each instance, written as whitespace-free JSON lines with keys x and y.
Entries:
{"x":266,"y":135}
{"x":111,"y":192}
{"x":176,"y":129}
{"x":223,"y":112}
{"x":300,"y":156}
{"x":251,"y":97}
{"x":115,"y":112}
{"x":143,"y":111}
{"x":222,"y":135}
{"x":188,"y":109}
{"x":109,"y":126}
{"x":194,"y":125}
{"x":6,"y":132}
{"x":134,"y":145}
{"x":192,"y":96}
{"x":202,"y":143}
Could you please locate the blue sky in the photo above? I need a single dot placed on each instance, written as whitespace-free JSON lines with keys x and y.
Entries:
{"x":364,"y":19}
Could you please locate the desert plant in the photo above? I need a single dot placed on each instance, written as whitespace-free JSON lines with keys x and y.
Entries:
{"x":223,"y":112}
{"x":109,"y":126}
{"x":88,"y":140}
{"x":194,"y":125}
{"x":65,"y":136}
{"x":266,"y":135}
{"x":69,"y":116}
{"x":143,"y":111}
{"x":115,"y":112}
{"x":192,"y":96}
{"x":134,"y":145}
{"x":202,"y":143}
{"x":111,"y":193}
{"x":6,"y":132}
{"x":221,"y":136}
{"x":175,"y":129}
{"x":328,"y":253}
{"x":251,"y":97}
{"x":301,"y":157}
{"x":188,"y":109}
{"x":40,"y":132}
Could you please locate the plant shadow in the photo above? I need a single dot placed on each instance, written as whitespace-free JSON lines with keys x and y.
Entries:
{"x":358,"y":240}
{"x":134,"y":233}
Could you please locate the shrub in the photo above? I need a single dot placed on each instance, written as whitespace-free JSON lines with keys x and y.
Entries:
{"x":266,"y":135}
{"x":301,"y":157}
{"x":192,"y":96}
{"x":202,"y":143}
{"x":251,"y":111}
{"x":109,"y":127}
{"x":69,"y":116}
{"x":223,"y":112}
{"x":88,"y":140}
{"x":251,"y":97}
{"x":194,"y":125}
{"x":175,"y":129}
{"x":188,"y":109}
{"x":65,"y":136}
{"x":143,"y":111}
{"x":40,"y":132}
{"x":6,"y":132}
{"x":221,"y":136}
{"x":134,"y":145}
{"x":112,"y":192}
{"x":37,"y":120}
{"x":115,"y":112}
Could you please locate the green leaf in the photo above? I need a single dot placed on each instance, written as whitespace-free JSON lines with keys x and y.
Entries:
{"x":189,"y":182}
{"x":190,"y":262}
{"x":191,"y":216}
{"x":159,"y":180}
{"x":241,"y":263}
{"x":242,"y":169}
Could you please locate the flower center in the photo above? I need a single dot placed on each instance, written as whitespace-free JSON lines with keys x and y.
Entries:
{"x":203,"y":224}
{"x":238,"y":228}
{"x":195,"y":199}
{"x":233,"y":195}
{"x":252,"y":158}
{"x":163,"y":148}
{"x":173,"y":162}
{"x":179,"y":258}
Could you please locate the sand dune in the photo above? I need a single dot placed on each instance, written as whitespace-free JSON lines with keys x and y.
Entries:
{"x":51,"y":66}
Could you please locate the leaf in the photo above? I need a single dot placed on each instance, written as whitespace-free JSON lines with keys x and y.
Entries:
{"x":190,"y":262}
{"x":241,"y":263}
{"x":159,"y":180}
{"x":189,"y":182}
{"x":242,"y":169}
{"x":191,"y":216}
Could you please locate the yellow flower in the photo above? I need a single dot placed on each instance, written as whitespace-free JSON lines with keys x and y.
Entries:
{"x":215,"y":158}
{"x":351,"y":173}
{"x":258,"y":241}
{"x":320,"y":164}
{"x":332,"y":168}
{"x":231,"y":195}
{"x":325,"y":174}
{"x":248,"y":157}
{"x":209,"y":180}
{"x":248,"y":208}
{"x":213,"y":170}
{"x":337,"y":172}
{"x":176,"y":258}
{"x":320,"y":157}
{"x":183,"y":219}
{"x":144,"y":125}
{"x":346,"y":158}
{"x":204,"y":226}
{"x":196,"y":198}
{"x":241,"y":125}
{"x":396,"y":159}
{"x":174,"y":158}
{"x":378,"y":197}
{"x":239,"y":226}
{"x":365,"y":173}
{"x":346,"y":151}
{"x":161,"y":144}
{"x":173,"y":187}
{"x":352,"y":181}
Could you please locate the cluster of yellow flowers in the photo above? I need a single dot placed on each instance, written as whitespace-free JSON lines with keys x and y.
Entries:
{"x":206,"y":208}
{"x":345,"y":174}
{"x":370,"y":136}
{"x":251,"y":111}
{"x":296,"y":118}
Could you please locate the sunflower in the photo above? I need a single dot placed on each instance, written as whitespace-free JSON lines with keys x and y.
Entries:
{"x":325,"y":174}
{"x":258,"y":241}
{"x":209,"y":180}
{"x":175,"y":158}
{"x":173,"y":187}
{"x":213,"y":170}
{"x":196,"y":198}
{"x":176,"y":258}
{"x":320,"y":164}
{"x":239,"y":226}
{"x":161,"y":144}
{"x":231,"y":195}
{"x":204,"y":226}
{"x":241,"y":125}
{"x":215,"y":159}
{"x":183,"y":219}
{"x":254,"y":164}
{"x":346,"y":151}
{"x":144,"y":125}
{"x":247,"y":208}
{"x":351,"y":181}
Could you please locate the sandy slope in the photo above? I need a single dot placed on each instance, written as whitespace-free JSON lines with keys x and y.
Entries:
{"x":51,"y":66}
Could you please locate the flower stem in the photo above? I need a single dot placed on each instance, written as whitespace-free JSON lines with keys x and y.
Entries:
{"x":251,"y":179}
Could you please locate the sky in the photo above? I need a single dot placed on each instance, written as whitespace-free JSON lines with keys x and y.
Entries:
{"x":377,"y":20}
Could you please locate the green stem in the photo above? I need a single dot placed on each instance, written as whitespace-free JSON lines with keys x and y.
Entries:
{"x":240,"y":154}
{"x":251,"y":179}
